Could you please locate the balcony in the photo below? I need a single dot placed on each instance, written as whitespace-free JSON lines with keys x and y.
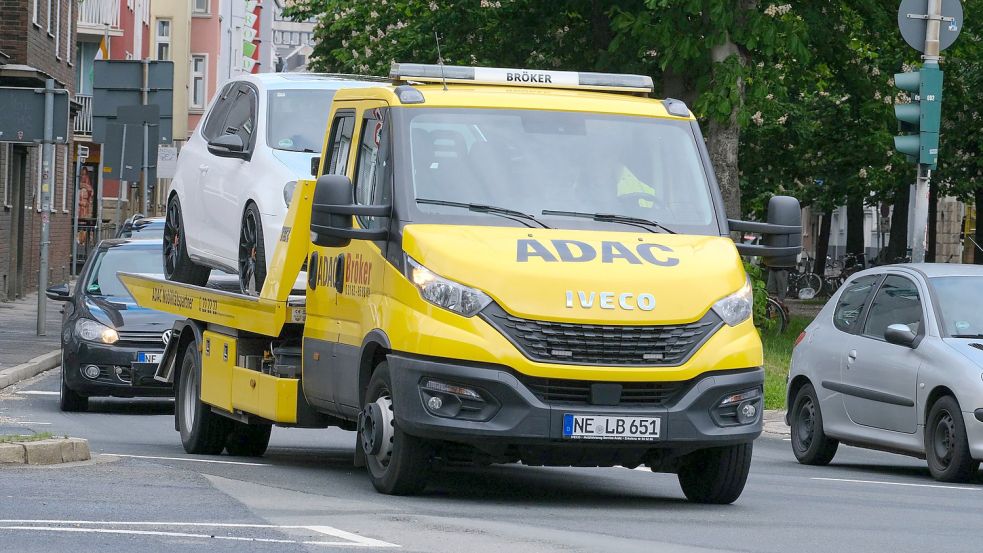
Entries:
{"x":83,"y":120}
{"x":97,"y":17}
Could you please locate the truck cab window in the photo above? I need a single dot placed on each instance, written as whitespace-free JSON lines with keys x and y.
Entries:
{"x":370,"y":187}
{"x":340,"y":143}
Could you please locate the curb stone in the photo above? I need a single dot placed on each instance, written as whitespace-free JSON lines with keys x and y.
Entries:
{"x":45,"y":452}
{"x":774,"y":423}
{"x":33,"y":367}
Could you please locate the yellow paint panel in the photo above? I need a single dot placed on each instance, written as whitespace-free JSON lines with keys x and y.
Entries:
{"x":218,"y":355}
{"x":292,"y":245}
{"x":264,"y":395}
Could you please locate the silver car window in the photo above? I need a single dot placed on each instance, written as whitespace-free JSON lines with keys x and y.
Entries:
{"x":896,"y":302}
{"x":850,"y":304}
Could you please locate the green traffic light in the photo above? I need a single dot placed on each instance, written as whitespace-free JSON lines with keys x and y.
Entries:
{"x":908,"y":113}
{"x":908,"y":81}
{"x":909,"y":144}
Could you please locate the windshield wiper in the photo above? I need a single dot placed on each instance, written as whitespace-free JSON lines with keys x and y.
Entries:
{"x":612,"y":218}
{"x":967,"y":335}
{"x":482,"y":208}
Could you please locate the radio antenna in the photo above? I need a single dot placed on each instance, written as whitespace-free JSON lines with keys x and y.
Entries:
{"x":440,"y":60}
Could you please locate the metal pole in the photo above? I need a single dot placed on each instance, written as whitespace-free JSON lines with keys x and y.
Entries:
{"x":145,"y":174}
{"x":99,"y":200}
{"x":920,"y":205}
{"x":75,"y":212}
{"x":122,"y":183}
{"x":47,"y":151}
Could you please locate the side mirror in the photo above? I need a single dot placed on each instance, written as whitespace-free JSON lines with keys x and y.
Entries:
{"x":332,"y":211}
{"x":901,"y":335}
{"x":59,"y":293}
{"x":228,"y":145}
{"x":315,"y":163}
{"x":781,"y":234}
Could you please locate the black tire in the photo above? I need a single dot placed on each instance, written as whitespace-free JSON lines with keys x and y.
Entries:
{"x":810,"y":444}
{"x":202,"y":432}
{"x":946,"y":445}
{"x":716,"y":475}
{"x":248,"y":440}
{"x":406,"y":468}
{"x":178,"y":266}
{"x":69,"y":400}
{"x":252,"y":252}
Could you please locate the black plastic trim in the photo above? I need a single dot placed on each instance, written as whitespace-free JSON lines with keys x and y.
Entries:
{"x":867,"y":393}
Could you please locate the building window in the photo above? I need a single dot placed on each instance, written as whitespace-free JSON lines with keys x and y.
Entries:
{"x":49,"y":17}
{"x":163,"y":39}
{"x":34,"y":14}
{"x":199,"y":70}
{"x":64,"y":181}
{"x":277,"y":37}
{"x":58,"y":31}
{"x":200,"y":6}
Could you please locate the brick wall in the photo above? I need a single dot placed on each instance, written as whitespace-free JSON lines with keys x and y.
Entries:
{"x":30,"y":43}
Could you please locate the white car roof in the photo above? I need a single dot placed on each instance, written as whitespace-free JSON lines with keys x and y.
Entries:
{"x":301,"y":80}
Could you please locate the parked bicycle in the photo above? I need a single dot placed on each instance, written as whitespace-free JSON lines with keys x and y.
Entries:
{"x":776,"y":318}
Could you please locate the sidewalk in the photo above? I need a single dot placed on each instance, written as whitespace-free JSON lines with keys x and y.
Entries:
{"x":20,"y":346}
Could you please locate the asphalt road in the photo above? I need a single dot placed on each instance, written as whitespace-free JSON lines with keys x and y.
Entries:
{"x":143,"y":493}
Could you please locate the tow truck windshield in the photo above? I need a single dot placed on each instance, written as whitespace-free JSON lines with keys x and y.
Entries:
{"x":546,"y":162}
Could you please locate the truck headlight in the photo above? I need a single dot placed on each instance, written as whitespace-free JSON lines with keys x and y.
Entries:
{"x":737,"y":307}
{"x":288,"y":191}
{"x":445,"y":293}
{"x":92,"y":331}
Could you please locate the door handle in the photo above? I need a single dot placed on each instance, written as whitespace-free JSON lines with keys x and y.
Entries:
{"x":852,"y":356}
{"x":203,"y":168}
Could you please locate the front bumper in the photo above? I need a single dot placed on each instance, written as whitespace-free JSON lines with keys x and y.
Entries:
{"x":973,"y":422}
{"x":119,"y":375}
{"x":519,"y":416}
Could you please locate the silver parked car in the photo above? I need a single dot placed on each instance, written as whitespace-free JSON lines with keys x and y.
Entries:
{"x":894,"y":361}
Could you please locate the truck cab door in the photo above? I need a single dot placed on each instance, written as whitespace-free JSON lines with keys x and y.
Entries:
{"x":324,"y":280}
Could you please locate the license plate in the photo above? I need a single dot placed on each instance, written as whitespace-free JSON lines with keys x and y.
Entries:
{"x":144,"y":357}
{"x":611,"y":427}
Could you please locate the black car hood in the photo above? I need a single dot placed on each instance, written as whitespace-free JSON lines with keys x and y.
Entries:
{"x":122,"y":313}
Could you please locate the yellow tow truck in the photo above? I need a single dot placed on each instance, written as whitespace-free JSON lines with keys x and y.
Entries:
{"x":502,"y":265}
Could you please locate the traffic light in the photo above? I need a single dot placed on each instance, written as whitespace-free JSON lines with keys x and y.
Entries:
{"x":922,"y":116}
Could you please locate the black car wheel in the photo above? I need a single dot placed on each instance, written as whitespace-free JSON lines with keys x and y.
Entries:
{"x":69,"y":400}
{"x":946,"y":446}
{"x":810,"y":444}
{"x":252,"y":253}
{"x":178,"y":266}
{"x":398,"y":464}
{"x":202,"y":431}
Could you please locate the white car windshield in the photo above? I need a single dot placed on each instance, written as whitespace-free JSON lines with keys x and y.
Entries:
{"x":551,"y":161}
{"x":958,"y":299}
{"x":296,"y":119}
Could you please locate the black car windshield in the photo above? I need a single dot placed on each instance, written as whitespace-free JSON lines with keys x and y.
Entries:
{"x":102,"y":280}
{"x":296,"y":119}
{"x":534,"y":161}
{"x":959,"y":301}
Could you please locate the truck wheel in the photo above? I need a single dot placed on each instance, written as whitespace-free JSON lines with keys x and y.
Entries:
{"x":248,"y":440}
{"x":810,"y":444}
{"x":69,"y":400}
{"x":716,"y":475}
{"x":946,"y":446}
{"x":177,"y":264}
{"x":399,"y":464}
{"x":202,"y":432}
{"x":252,"y":252}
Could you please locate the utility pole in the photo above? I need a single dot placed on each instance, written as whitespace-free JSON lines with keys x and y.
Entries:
{"x":931,"y":59}
{"x":47,"y":152}
{"x":81,"y":153}
{"x":145,"y":63}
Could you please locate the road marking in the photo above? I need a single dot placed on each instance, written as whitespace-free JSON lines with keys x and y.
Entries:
{"x":31,"y":422}
{"x":36,"y":393}
{"x":351,"y":540}
{"x":897,"y":484}
{"x":189,"y":459}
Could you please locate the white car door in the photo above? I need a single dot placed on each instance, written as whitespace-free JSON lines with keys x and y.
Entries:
{"x":203,"y":192}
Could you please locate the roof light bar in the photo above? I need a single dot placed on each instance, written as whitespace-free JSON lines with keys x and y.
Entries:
{"x":521,"y":77}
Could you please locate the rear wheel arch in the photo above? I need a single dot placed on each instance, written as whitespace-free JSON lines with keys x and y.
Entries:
{"x":793,"y":389}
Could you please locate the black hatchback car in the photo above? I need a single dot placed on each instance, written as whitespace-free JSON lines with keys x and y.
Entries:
{"x":110,"y":345}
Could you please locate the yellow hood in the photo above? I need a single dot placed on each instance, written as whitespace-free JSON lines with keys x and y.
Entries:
{"x":583,"y":276}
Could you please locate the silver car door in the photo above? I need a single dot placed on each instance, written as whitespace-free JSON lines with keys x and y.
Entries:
{"x":879,"y":379}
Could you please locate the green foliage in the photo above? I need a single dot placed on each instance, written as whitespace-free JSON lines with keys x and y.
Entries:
{"x":778,"y":359}
{"x":758,"y":286}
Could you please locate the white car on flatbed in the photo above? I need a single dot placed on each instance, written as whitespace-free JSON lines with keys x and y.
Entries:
{"x":235,"y":175}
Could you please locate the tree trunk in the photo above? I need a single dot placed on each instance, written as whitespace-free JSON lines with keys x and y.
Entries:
{"x":822,"y":244}
{"x":855,"y":226}
{"x":933,"y":221}
{"x":724,"y":138}
{"x":897,"y":245}
{"x":977,"y":253}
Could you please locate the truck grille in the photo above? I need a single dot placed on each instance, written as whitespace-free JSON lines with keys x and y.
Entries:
{"x":587,"y":344}
{"x":652,"y":394}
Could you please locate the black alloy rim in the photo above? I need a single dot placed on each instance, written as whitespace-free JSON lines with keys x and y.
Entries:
{"x":247,"y":254}
{"x":944,"y":442}
{"x":172,"y":238}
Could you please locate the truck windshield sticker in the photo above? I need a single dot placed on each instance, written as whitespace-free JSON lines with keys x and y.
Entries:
{"x":575,"y":251}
